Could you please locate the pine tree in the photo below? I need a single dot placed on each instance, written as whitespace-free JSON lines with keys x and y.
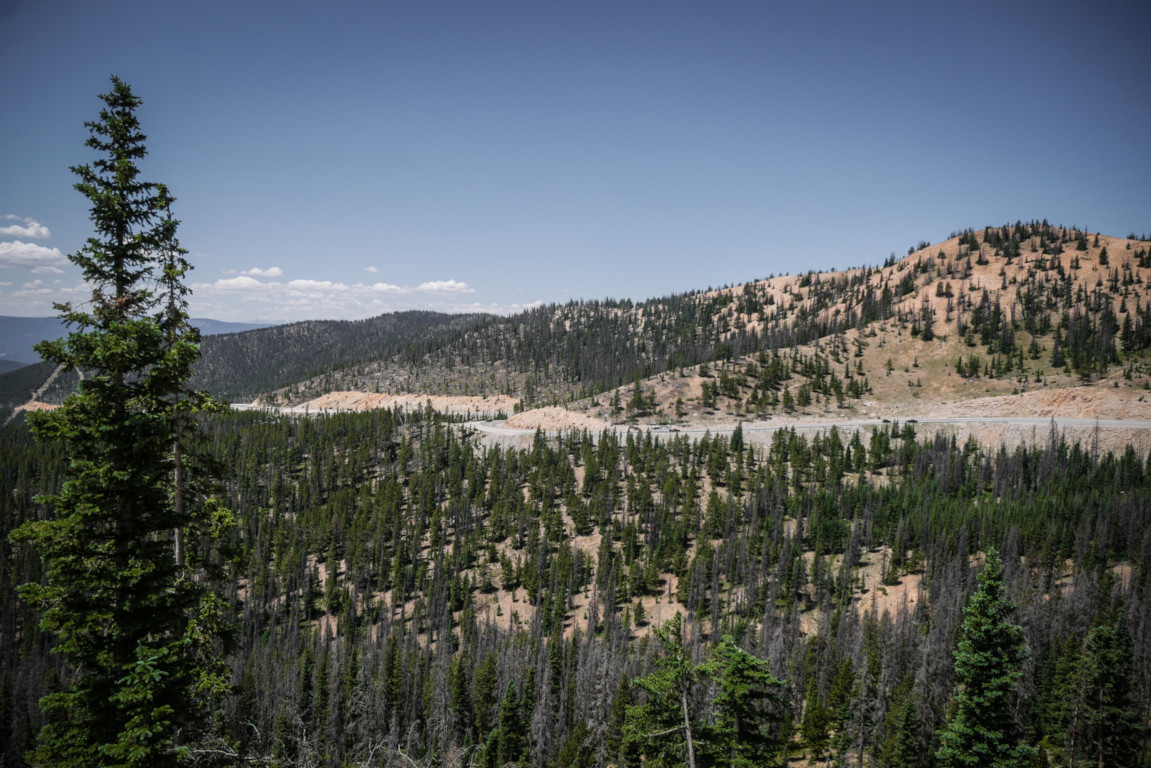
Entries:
{"x":982,"y":731}
{"x":904,"y":748}
{"x":127,"y":603}
{"x":484,"y":693}
{"x":815,"y":724}
{"x":509,"y":735}
{"x":613,"y":739}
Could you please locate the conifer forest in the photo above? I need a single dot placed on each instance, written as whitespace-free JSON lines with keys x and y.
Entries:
{"x":368,"y":549}
{"x":183,"y":584}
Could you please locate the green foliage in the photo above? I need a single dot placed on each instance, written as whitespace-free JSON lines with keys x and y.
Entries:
{"x":904,"y":747}
{"x":661,"y":727}
{"x":509,"y":733}
{"x":815,"y":724}
{"x":577,"y":751}
{"x":746,"y":708}
{"x":417,"y":629}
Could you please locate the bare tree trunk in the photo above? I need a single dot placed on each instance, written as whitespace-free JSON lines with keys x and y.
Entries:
{"x":687,"y":731}
{"x":178,"y":500}
{"x":176,"y":416}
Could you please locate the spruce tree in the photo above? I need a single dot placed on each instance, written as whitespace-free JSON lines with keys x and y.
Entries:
{"x":904,"y":748}
{"x":982,"y":731}
{"x":509,"y":736}
{"x":125,"y":598}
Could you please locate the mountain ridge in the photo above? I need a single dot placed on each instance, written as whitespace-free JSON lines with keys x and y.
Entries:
{"x":21,"y":334}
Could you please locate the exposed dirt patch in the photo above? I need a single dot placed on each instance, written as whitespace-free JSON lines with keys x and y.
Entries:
{"x":36,"y":405}
{"x":873,"y":595}
{"x":335,"y":402}
{"x":1077,"y":402}
{"x":553,"y":418}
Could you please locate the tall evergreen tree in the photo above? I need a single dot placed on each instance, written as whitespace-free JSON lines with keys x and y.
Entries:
{"x":509,"y":736}
{"x":904,"y":748}
{"x":129,"y":606}
{"x":982,"y":731}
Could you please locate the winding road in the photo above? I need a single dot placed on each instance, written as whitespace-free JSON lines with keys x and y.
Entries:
{"x":760,"y":432}
{"x":497,"y":428}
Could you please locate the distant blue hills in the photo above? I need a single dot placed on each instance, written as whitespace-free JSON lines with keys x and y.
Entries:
{"x":20,"y":335}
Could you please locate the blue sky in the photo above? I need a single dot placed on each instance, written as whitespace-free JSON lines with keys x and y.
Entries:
{"x":340,"y":159}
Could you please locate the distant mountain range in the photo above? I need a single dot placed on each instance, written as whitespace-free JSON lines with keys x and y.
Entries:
{"x":20,"y":335}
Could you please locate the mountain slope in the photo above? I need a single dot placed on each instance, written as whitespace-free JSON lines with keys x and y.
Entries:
{"x":393,"y":575}
{"x":1006,"y":308}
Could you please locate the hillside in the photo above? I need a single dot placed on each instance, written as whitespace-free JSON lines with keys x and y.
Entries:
{"x":983,"y":313}
{"x":999,"y":313}
{"x":26,"y":379}
{"x":241,"y":366}
{"x":390,"y":576}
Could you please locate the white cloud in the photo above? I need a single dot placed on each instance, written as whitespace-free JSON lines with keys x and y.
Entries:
{"x":270,"y":272}
{"x":445,"y":286}
{"x":304,"y":286}
{"x":30,"y":228}
{"x":237,"y":283}
{"x":243,"y":297}
{"x":373,"y":270}
{"x":388,"y":288}
{"x":34,"y":298}
{"x":29,"y":255}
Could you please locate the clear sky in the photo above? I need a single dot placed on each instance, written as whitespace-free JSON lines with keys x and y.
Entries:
{"x":339,"y":159}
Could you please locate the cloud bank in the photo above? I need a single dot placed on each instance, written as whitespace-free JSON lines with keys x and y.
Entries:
{"x":257,"y":293}
{"x":444,"y":286}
